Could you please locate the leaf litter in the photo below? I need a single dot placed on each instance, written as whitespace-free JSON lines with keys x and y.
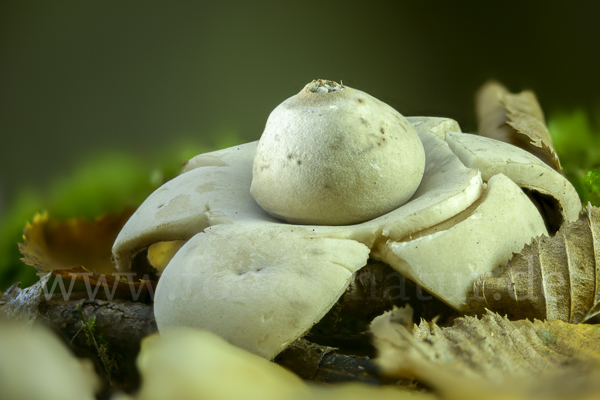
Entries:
{"x":77,"y":252}
{"x":492,"y":357}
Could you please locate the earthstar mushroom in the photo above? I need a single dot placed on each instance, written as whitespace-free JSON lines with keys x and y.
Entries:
{"x":260,"y":282}
{"x":260,"y":287}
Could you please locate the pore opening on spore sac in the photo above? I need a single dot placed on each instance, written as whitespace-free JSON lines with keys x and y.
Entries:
{"x":324,"y":86}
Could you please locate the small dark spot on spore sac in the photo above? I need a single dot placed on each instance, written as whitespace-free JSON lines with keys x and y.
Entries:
{"x":360,"y":100}
{"x":289,"y":156}
{"x":382,"y":131}
{"x":299,"y":162}
{"x":364,"y":121}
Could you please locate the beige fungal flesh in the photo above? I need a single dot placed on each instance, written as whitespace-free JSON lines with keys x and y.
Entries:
{"x":259,"y":287}
{"x":334,"y":155}
{"x":492,"y":157}
{"x":215,"y":190}
{"x":260,"y":282}
{"x":446,"y":260}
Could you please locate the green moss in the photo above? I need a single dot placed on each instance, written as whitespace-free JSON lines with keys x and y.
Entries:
{"x":26,"y":204}
{"x":577,"y":144}
{"x":98,"y":184}
{"x":592,"y":182}
{"x":98,"y":342}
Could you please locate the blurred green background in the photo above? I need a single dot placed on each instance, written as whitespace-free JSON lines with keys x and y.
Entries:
{"x":157,"y":81}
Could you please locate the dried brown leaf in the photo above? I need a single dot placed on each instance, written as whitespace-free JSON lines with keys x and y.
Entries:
{"x":51,"y":244}
{"x":516,"y":119}
{"x":492,"y":357}
{"x":78,"y":253}
{"x":551,"y":278}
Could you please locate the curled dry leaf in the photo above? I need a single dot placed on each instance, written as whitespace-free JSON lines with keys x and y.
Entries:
{"x":515,"y":118}
{"x":78,"y":253}
{"x":551,"y":278}
{"x":52,"y":244}
{"x":492,"y":357}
